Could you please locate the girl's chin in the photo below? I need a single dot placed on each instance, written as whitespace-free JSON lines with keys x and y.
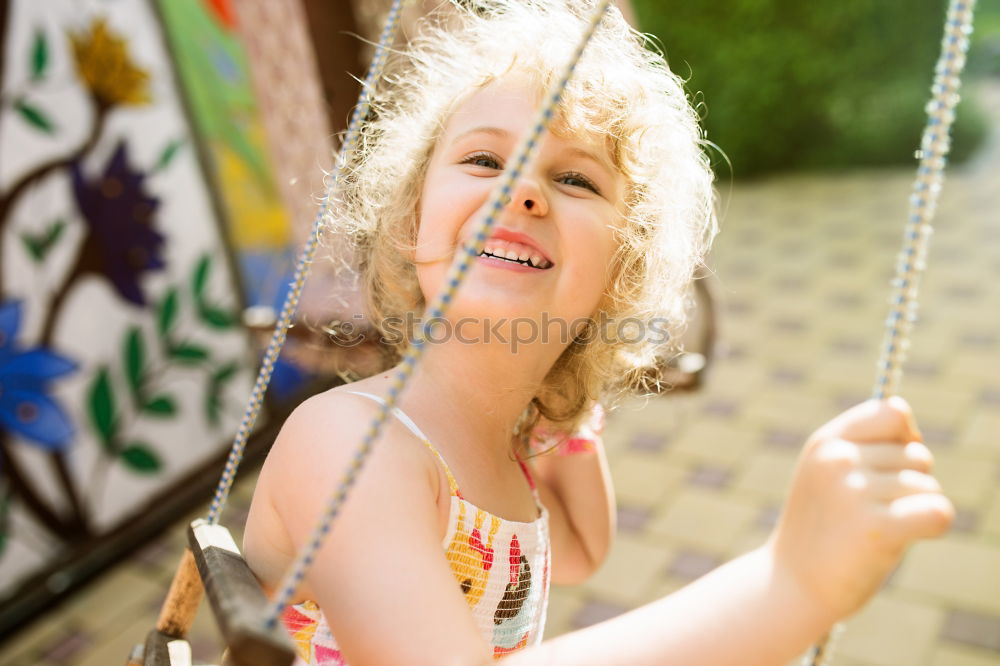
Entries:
{"x":494,"y":310}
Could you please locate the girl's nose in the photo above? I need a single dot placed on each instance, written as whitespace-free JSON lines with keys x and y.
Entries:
{"x":528,"y":197}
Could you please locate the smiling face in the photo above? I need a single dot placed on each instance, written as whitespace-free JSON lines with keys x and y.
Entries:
{"x":550,"y":250}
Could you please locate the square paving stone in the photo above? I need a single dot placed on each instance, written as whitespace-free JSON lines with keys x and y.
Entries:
{"x":966,"y":520}
{"x":937,"y":436}
{"x":787,"y":376}
{"x":788,"y":325}
{"x":923,"y":370}
{"x":784,"y":439}
{"x":846,"y":300}
{"x":710,"y":476}
{"x":692,"y":564}
{"x":990,"y":396}
{"x":633,"y":518}
{"x":595,"y":611}
{"x":852,"y":346}
{"x":720,"y":408}
{"x":978,"y":340}
{"x":973,"y":629}
{"x":768,"y":517}
{"x":652,"y":442}
{"x":68,"y":647}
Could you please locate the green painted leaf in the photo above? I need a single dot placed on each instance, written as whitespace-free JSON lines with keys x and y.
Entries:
{"x":39,"y":56}
{"x":213,"y":404}
{"x":201,"y":272}
{"x":33,"y":245}
{"x":168,"y":154}
{"x":53,"y":234}
{"x":39,"y":244}
{"x":185,"y":353}
{"x":226,"y":372}
{"x":216,"y":318}
{"x":162,"y":405}
{"x":134,"y":354}
{"x":216,"y":383}
{"x":167,"y":314}
{"x":34,"y":117}
{"x":101,"y":405}
{"x":141,"y":458}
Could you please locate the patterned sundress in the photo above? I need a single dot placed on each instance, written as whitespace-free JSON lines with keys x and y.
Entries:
{"x":501,"y":566}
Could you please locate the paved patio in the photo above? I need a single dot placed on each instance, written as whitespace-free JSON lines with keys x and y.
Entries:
{"x":801,"y":277}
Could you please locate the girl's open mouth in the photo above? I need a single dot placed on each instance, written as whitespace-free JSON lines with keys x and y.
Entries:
{"x":515,"y":253}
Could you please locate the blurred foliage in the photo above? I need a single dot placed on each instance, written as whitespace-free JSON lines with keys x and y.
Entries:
{"x":984,"y":57}
{"x":785,"y":84}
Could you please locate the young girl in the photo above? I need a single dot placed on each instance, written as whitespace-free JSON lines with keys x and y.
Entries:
{"x":472,"y":502}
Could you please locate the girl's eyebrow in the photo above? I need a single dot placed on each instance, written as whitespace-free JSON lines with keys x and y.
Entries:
{"x":590,"y":155}
{"x":495,"y":131}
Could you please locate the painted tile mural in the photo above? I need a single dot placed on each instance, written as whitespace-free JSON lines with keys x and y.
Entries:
{"x":122,"y":365}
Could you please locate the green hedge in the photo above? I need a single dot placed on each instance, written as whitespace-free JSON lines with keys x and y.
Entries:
{"x":792,"y":84}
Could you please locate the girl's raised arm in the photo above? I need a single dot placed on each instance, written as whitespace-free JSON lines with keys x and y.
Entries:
{"x":861,"y":493}
{"x":575,"y":486}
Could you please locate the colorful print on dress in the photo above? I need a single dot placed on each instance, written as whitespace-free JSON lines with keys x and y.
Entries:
{"x":471,"y":559}
{"x":302,"y":621}
{"x":513,"y":615}
{"x":326,"y":656}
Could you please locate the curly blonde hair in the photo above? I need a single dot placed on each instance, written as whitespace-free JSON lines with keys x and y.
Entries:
{"x":621,"y":90}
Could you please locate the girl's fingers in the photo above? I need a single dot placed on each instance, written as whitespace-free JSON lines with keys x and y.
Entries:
{"x":890,"y":486}
{"x":889,"y":420}
{"x":886,"y":457}
{"x":920,"y":516}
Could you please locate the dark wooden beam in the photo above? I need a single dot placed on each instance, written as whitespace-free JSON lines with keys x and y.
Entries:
{"x":237,"y":600}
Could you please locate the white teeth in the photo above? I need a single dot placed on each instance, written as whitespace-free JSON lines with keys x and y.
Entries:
{"x":522,"y":254}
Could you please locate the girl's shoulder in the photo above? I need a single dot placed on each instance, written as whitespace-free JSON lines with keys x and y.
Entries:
{"x":309,"y":459}
{"x":328,"y":430}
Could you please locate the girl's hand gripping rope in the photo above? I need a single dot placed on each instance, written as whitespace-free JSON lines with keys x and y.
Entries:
{"x":862,"y":492}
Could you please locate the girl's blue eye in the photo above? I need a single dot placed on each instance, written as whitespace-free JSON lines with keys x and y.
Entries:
{"x":485,"y":160}
{"x":578,"y":180}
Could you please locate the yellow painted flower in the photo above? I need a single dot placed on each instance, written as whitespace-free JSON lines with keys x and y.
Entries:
{"x":103,"y":62}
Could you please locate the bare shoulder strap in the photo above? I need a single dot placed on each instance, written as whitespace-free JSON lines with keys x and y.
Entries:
{"x":408,"y":422}
{"x":397,"y":412}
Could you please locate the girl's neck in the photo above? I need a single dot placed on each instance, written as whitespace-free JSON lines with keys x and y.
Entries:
{"x":480,"y":390}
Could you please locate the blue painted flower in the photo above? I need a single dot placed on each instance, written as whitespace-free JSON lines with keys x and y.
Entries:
{"x":122,"y":242}
{"x":25,"y":407}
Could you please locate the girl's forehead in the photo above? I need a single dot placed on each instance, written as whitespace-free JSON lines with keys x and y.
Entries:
{"x":510,"y":99}
{"x":510,"y":105}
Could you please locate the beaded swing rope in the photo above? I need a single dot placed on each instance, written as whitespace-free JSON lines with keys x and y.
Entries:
{"x":435,"y":312}
{"x":302,"y":269}
{"x":912,"y":259}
